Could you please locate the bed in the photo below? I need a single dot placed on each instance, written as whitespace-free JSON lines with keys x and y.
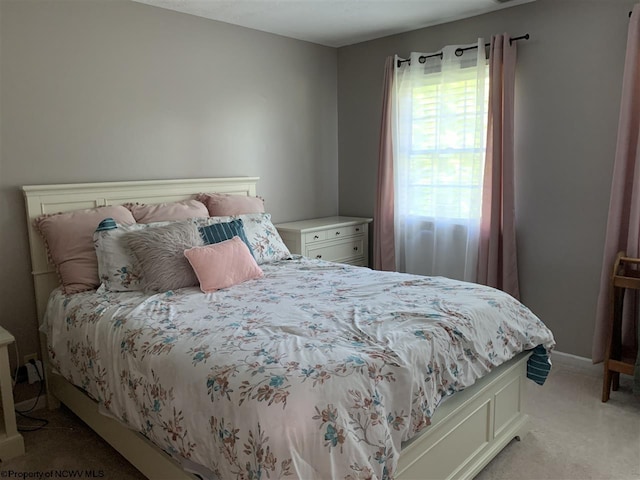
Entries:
{"x":455,"y":441}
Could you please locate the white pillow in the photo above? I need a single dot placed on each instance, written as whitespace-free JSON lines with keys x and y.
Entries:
{"x":265,"y":241}
{"x":117,"y":267}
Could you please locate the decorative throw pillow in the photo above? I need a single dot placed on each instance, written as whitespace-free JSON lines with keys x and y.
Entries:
{"x":117,"y":267}
{"x":219,"y":232}
{"x":265,"y":241}
{"x":219,"y":204}
{"x":68,"y":238}
{"x":223,"y":264}
{"x":159,"y":252}
{"x":166,"y":212}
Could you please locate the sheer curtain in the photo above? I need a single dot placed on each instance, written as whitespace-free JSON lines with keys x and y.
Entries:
{"x":439,"y":143}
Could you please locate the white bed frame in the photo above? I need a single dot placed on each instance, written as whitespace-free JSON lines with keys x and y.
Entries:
{"x":467,"y":430}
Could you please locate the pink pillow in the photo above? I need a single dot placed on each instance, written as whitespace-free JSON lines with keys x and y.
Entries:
{"x":221,"y":204}
{"x":167,"y":212}
{"x":68,"y":238}
{"x":223,"y":264}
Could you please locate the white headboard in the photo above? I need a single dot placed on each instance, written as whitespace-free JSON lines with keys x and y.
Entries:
{"x":41,"y":199}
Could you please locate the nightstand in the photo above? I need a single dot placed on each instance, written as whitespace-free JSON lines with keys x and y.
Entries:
{"x":11,"y":442}
{"x":337,"y":239}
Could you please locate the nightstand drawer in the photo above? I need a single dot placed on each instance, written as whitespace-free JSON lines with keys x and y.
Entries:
{"x":315,"y":236}
{"x":345,"y":231}
{"x":358,"y":229}
{"x":337,"y":250}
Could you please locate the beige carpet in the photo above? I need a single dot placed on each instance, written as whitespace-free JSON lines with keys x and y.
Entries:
{"x":573,"y":436}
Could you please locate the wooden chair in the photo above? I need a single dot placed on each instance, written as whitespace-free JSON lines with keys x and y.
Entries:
{"x":618,"y":359}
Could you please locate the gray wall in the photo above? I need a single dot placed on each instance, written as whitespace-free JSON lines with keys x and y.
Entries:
{"x":568,"y":85}
{"x":115,"y":90}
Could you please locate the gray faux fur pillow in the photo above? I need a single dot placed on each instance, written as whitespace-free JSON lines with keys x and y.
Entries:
{"x":160,"y":255}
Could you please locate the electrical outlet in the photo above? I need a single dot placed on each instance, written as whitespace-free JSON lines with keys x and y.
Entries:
{"x":31,"y":356}
{"x":34,"y":371}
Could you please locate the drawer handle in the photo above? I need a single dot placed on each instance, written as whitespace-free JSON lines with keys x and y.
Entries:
{"x":357,"y":229}
{"x":355,"y":248}
{"x":318,"y":256}
{"x":337,"y":233}
{"x":316,"y":237}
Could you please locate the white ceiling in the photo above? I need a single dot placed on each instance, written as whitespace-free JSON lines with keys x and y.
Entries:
{"x":334,"y":23}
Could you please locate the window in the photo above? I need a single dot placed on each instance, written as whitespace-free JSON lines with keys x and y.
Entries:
{"x":439,"y":138}
{"x":444,"y":159}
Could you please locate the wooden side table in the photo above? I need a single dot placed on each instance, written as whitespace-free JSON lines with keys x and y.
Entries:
{"x":618,"y":359}
{"x":11,"y":442}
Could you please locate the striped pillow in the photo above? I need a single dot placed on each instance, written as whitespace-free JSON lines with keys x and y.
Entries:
{"x":539,"y":365}
{"x":219,"y":232}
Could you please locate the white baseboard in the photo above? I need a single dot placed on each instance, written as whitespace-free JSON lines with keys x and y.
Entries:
{"x":29,"y":404}
{"x":576,"y":362}
{"x":569,"y":356}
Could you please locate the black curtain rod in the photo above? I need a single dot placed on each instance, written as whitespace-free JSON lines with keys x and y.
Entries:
{"x":460,"y":51}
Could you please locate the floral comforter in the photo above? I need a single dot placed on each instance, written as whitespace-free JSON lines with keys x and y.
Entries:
{"x":317,"y":370}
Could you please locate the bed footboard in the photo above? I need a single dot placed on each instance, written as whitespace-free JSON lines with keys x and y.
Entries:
{"x":470,"y":428}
